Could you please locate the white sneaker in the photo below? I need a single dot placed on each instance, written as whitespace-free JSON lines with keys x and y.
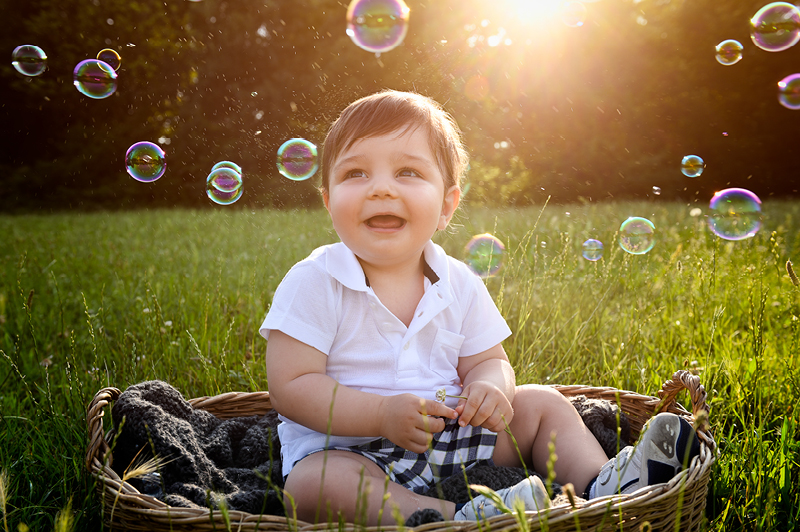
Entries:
{"x":667,"y":443}
{"x":530,"y":491}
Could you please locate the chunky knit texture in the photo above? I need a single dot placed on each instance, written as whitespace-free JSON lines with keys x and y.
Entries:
{"x":230,"y":460}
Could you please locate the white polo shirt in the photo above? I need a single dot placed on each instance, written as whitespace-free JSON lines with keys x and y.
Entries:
{"x":325,"y":302}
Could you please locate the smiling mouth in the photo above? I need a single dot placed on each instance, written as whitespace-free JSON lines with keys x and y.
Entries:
{"x":386,"y":221}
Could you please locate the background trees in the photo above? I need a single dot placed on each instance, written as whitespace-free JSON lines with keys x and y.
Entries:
{"x":604,"y":110}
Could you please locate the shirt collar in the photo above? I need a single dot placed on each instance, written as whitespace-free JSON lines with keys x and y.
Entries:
{"x":343,"y":265}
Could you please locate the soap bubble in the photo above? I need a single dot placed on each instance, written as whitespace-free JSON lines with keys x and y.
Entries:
{"x":484,"y":255}
{"x":637,"y":235}
{"x":573,"y":14}
{"x":729,"y":52}
{"x":297,"y":159}
{"x":592,"y":250}
{"x":789,"y":92}
{"x":734,"y":214}
{"x":145,"y":161}
{"x":228,"y":164}
{"x":657,"y":191}
{"x":110,"y":57}
{"x":224,"y":179}
{"x":776,"y":26}
{"x":692,"y":166}
{"x":377,"y":25}
{"x":95,"y":79}
{"x":29,"y":60}
{"x":223,"y":198}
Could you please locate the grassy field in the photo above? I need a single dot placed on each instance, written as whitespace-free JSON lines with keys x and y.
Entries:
{"x":94,"y":300}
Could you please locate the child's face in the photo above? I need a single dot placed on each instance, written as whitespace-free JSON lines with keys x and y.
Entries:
{"x":387,"y":197}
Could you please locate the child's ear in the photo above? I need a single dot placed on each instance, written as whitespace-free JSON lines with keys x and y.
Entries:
{"x":451,"y":198}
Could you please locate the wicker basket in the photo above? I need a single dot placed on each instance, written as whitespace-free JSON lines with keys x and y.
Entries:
{"x":681,"y":501}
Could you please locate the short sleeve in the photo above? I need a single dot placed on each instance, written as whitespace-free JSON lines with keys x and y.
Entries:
{"x":304,"y":307}
{"x":483,"y":326}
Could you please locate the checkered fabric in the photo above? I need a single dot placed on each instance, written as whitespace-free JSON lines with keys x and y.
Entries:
{"x":449,"y":449}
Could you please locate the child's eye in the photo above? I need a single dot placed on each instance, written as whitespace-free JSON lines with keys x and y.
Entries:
{"x":408,"y":172}
{"x":354,"y":173}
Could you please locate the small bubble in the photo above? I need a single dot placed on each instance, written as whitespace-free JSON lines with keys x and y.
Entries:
{"x":592,"y":250}
{"x":145,"y":161}
{"x":637,"y":235}
{"x":29,"y":60}
{"x":734,"y":214}
{"x":692,"y":166}
{"x":377,"y":26}
{"x":694,"y":213}
{"x":110,"y":21}
{"x":95,"y":79}
{"x":789,"y":92}
{"x":729,"y":52}
{"x":573,"y":14}
{"x":657,"y":191}
{"x":485,"y":255}
{"x":297,"y":159}
{"x":110,"y":57}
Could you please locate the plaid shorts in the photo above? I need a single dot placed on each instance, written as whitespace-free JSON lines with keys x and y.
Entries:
{"x":450,"y":449}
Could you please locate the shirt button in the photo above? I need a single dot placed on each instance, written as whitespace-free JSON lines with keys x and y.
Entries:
{"x":387,"y":324}
{"x":421,"y":312}
{"x":405,"y":347}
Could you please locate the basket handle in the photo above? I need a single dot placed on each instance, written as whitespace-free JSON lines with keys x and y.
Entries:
{"x":94,"y":421}
{"x":684,"y":380}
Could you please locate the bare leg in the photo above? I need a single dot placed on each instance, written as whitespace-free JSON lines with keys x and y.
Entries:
{"x":540,"y":411}
{"x":344,"y":472}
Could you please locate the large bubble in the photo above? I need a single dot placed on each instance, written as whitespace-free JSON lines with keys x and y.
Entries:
{"x":734,"y":214}
{"x":377,"y":25}
{"x":776,"y":26}
{"x":297,"y":159}
{"x":95,"y":79}
{"x":29,"y":60}
{"x":110,"y":57}
{"x":485,"y":255}
{"x":592,"y":250}
{"x":145,"y":161}
{"x":692,"y":166}
{"x":789,"y":92}
{"x":637,"y":235}
{"x":729,"y":52}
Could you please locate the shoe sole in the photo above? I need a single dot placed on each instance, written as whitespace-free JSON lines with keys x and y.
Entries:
{"x":669,"y":441}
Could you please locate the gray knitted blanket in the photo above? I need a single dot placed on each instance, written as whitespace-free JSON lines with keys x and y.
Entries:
{"x":238,"y":460}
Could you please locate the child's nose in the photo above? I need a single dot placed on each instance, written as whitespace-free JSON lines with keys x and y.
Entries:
{"x":383,"y":185}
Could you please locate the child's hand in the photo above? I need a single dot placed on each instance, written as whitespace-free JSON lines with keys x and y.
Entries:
{"x":486,"y":406}
{"x":406,"y":420}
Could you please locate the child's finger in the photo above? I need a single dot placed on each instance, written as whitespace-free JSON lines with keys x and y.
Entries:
{"x":433,"y":408}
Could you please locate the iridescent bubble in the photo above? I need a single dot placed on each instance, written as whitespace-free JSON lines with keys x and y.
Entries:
{"x":734,"y":214}
{"x":485,"y":255}
{"x":592,"y":250}
{"x":223,"y":198}
{"x":377,"y":25}
{"x":29,"y":60}
{"x":95,"y":79}
{"x":228,"y":164}
{"x":657,"y":191}
{"x":297,"y":159}
{"x":573,"y":14}
{"x":789,"y":92}
{"x":776,"y":26}
{"x":145,"y":161}
{"x":729,"y":52}
{"x":692,"y":166}
{"x":637,"y":235}
{"x":224,"y":179}
{"x":110,"y":57}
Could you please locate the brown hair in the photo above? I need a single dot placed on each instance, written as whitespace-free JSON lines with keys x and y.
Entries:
{"x":388,"y":111}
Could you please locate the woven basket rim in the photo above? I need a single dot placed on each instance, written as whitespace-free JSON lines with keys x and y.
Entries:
{"x":130,"y":506}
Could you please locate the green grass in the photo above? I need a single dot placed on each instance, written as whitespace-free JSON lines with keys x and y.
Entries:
{"x":95,"y":300}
